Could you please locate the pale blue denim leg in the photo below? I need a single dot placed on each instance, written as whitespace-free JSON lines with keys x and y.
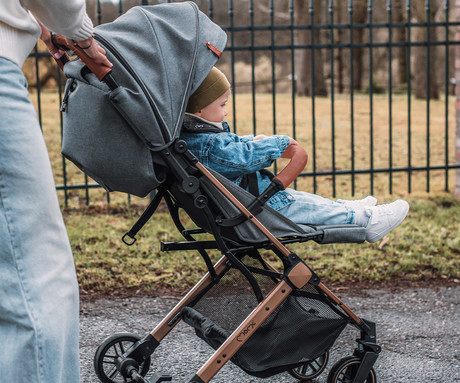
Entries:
{"x":38,"y":286}
{"x":316,"y":210}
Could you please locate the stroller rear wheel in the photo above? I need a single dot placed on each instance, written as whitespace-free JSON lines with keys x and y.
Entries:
{"x":344,"y":371}
{"x":111,"y":352}
{"x":310,"y":369}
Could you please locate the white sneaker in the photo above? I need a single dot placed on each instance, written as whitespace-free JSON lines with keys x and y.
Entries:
{"x":384,"y":218}
{"x":357,"y":203}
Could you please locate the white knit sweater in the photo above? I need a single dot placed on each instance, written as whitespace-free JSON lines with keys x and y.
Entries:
{"x":19,"y":31}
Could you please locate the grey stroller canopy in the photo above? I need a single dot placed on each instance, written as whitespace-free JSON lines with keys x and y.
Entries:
{"x":161,"y":54}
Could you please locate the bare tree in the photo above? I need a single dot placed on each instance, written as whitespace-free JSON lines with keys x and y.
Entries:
{"x":401,"y":37}
{"x":303,"y":58}
{"x":359,"y":17}
{"x":340,"y":11}
{"x":427,"y":35}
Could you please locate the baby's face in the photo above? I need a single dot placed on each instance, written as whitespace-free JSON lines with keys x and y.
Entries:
{"x":215,"y":112}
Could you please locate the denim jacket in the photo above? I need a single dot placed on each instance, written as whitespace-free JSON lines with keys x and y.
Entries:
{"x":234,"y":156}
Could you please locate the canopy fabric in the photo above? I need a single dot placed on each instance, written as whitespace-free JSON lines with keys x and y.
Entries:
{"x":160,"y":56}
{"x":166,"y":46}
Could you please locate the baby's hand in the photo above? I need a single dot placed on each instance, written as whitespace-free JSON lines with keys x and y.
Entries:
{"x":259,"y":137}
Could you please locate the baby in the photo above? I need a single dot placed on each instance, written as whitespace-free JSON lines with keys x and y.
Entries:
{"x":243,"y":160}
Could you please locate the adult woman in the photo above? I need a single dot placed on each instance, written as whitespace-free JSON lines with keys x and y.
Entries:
{"x":39,"y":293}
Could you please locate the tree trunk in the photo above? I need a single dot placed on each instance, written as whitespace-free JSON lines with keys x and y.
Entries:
{"x":303,"y":57}
{"x":359,"y":17}
{"x":421,"y":59}
{"x":400,"y":14}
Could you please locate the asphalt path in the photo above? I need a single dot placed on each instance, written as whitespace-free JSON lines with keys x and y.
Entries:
{"x":418,"y":329}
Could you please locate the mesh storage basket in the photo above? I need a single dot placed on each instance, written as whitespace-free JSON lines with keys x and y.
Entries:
{"x":302,"y":328}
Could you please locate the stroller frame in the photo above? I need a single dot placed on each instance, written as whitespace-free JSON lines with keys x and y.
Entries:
{"x":186,"y":170}
{"x":186,"y":177}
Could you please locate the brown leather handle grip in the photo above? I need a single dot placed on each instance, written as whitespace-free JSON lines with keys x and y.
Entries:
{"x":299,"y":159}
{"x":100,"y":70}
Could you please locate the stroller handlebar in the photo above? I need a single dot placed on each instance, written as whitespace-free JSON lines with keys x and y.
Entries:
{"x":100,"y":70}
{"x":299,"y":159}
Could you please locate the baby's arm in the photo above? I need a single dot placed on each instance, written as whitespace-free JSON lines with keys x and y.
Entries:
{"x":231,"y":155}
{"x":288,"y":152}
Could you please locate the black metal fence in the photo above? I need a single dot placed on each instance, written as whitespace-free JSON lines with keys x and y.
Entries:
{"x":366,"y":86}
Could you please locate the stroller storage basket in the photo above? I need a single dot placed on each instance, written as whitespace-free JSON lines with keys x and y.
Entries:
{"x":303,"y":327}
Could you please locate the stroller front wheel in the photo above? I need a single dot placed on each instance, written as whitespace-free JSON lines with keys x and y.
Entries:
{"x":310,"y":369}
{"x":109,"y":354}
{"x":344,"y":371}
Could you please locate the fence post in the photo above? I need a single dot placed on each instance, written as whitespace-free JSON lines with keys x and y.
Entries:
{"x":457,"y":102}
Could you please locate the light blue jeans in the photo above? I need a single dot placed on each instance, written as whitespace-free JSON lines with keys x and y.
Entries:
{"x":308,"y":208}
{"x":38,"y":287}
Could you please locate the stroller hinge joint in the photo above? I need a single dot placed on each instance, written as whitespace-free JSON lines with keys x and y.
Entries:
{"x":368,"y":332}
{"x":299,"y":274}
{"x":364,"y":346}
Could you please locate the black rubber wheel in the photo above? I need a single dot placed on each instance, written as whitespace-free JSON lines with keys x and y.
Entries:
{"x":310,"y":369}
{"x":107,"y":353}
{"x":344,"y":371}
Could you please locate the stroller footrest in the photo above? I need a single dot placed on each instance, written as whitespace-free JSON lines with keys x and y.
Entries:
{"x":158,"y":378}
{"x":341,"y":233}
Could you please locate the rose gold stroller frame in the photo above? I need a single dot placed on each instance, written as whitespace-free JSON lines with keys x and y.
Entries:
{"x":296,"y":275}
{"x":132,"y":364}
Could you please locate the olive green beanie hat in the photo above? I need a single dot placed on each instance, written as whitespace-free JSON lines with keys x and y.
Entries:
{"x":213,"y":86}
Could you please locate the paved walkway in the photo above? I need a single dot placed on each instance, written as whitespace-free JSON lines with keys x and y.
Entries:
{"x":419,"y":330}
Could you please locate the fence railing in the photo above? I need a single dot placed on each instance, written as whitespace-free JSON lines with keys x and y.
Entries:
{"x":368,"y":87}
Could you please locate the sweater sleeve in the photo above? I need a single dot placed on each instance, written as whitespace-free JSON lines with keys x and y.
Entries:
{"x":68,"y":17}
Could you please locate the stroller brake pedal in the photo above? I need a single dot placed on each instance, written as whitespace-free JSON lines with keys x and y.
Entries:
{"x":158,"y":378}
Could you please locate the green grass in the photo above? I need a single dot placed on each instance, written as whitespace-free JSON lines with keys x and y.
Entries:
{"x":425,"y":247}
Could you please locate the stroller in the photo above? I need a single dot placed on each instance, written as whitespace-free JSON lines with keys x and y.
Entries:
{"x":264,"y":320}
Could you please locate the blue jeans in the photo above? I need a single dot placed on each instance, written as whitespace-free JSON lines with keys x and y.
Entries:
{"x":316,"y":210}
{"x":39,"y":307}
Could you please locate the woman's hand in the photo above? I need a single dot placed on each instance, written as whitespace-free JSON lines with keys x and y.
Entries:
{"x":92,"y":49}
{"x":89,"y":46}
{"x":46,"y":37}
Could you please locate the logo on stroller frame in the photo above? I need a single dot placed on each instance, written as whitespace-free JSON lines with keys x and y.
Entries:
{"x":245,"y":332}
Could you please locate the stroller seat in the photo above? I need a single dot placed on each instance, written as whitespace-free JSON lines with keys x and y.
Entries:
{"x":276,"y":223}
